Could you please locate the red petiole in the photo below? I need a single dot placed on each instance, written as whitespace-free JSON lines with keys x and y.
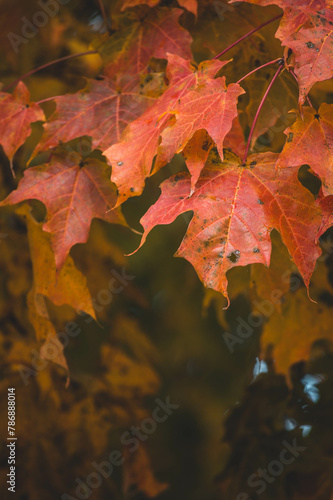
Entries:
{"x":247,"y":35}
{"x":259,"y":109}
{"x":259,"y":67}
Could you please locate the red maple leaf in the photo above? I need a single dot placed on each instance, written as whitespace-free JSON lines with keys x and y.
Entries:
{"x":100,"y":111}
{"x":127,"y":53}
{"x":296,"y":13}
{"x":74,"y":192}
{"x":310,"y":142}
{"x":194,"y":101}
{"x":16,"y":115}
{"x":306,"y":29}
{"x":312,"y":48}
{"x":235,"y":208}
{"x":104,"y":108}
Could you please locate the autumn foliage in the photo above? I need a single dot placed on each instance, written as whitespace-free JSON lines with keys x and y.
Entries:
{"x":170,"y":89}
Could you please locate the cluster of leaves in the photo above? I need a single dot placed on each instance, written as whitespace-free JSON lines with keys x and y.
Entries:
{"x":151,"y":102}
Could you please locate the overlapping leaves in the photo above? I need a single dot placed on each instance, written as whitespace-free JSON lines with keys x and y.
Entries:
{"x":307,"y":29}
{"x":193,"y":101}
{"x":141,"y":115}
{"x":235,"y":208}
{"x":73,"y":191}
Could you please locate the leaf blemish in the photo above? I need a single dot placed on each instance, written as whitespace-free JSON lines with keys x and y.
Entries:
{"x":290,"y":137}
{"x":234,"y":256}
{"x":256,"y":250}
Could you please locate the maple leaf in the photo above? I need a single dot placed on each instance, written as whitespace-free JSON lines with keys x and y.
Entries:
{"x":104,"y":108}
{"x":211,"y":106}
{"x":100,"y":111}
{"x":306,"y":29}
{"x":310,"y":142}
{"x":235,"y":208}
{"x":128,"y":51}
{"x":193,"y":101}
{"x":296,"y":13}
{"x":17,"y":114}
{"x":312,"y":49}
{"x":74,"y":192}
{"x":70,"y":288}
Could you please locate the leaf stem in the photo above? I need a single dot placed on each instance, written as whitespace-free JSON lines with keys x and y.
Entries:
{"x":47,"y":99}
{"x":259,"y":109}
{"x":259,"y":67}
{"x":102,"y":8}
{"x":46,"y":66}
{"x":247,"y":35}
